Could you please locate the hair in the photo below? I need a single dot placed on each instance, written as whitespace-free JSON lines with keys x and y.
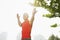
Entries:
{"x":25,"y":14}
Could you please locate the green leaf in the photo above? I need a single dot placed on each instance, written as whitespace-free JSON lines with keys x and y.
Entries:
{"x":48,"y":15}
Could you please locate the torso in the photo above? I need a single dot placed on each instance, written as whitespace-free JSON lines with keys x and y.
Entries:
{"x":26,"y":29}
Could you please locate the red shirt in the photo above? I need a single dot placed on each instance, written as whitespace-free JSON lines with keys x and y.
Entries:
{"x":26,"y":29}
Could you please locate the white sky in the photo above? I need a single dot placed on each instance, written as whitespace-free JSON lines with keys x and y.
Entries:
{"x":8,"y":20}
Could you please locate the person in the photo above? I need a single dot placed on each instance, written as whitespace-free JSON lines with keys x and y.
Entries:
{"x":26,"y":25}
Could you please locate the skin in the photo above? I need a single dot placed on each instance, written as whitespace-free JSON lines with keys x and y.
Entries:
{"x":25,"y":17}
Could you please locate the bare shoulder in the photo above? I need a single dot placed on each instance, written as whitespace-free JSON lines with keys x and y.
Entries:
{"x":29,"y":21}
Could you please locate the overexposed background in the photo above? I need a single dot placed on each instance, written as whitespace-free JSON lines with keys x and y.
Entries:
{"x":9,"y":28}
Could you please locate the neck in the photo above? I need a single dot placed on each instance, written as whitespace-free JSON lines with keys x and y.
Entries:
{"x":26,"y":19}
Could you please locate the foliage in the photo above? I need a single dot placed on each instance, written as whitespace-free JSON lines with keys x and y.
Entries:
{"x":52,"y":37}
{"x":54,"y":25}
{"x":48,"y":15}
{"x":53,"y":8}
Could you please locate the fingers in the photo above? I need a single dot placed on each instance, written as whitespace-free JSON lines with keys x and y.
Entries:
{"x":34,"y":11}
{"x":18,"y":15}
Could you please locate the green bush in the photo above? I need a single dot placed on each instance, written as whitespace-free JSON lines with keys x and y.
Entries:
{"x":48,"y":15}
{"x":52,"y":37}
{"x":54,"y":25}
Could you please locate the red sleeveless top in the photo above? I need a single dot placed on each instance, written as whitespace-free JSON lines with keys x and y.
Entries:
{"x":26,"y":29}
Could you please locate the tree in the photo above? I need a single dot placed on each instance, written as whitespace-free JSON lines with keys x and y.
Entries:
{"x":53,"y":8}
{"x":52,"y":37}
{"x":54,"y":25}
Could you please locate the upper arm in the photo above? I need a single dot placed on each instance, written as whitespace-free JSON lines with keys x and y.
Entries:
{"x":19,"y":23}
{"x":31,"y":22}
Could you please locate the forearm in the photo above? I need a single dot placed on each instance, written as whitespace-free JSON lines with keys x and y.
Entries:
{"x":33,"y":14}
{"x":19,"y":23}
{"x":32,"y":18}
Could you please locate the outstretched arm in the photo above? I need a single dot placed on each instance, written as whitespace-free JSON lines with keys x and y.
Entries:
{"x":33,"y":14}
{"x":19,"y":22}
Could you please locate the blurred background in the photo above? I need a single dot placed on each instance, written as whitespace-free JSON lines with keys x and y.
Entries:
{"x":46,"y":25}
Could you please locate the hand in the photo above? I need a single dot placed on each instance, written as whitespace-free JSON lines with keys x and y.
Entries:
{"x":18,"y":16}
{"x":34,"y":11}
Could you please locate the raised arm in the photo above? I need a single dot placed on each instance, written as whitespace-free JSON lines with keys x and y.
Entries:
{"x":33,"y":14}
{"x":19,"y":22}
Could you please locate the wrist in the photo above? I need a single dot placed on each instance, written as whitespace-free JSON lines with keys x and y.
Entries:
{"x":18,"y":18}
